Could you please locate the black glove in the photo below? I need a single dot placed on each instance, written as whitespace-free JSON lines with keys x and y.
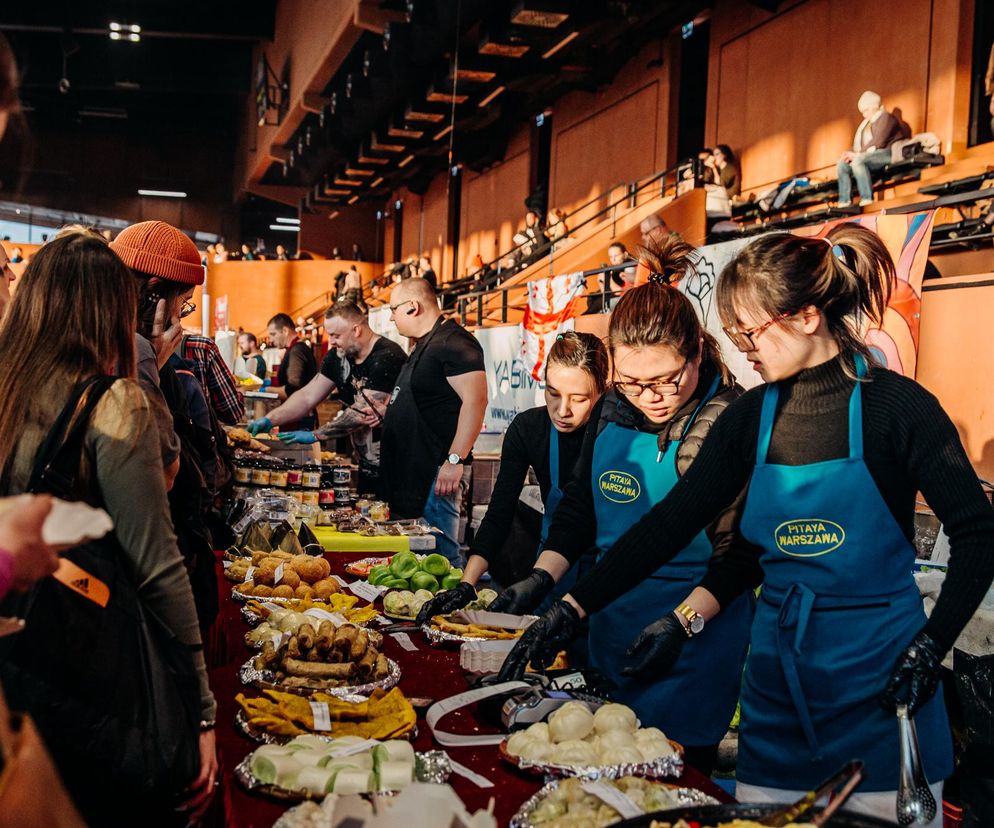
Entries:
{"x":526,"y":595}
{"x":915,"y":676}
{"x":542,"y":641}
{"x":657,"y":648}
{"x":446,"y":602}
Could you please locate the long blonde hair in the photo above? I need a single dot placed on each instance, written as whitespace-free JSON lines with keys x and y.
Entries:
{"x":72,"y":316}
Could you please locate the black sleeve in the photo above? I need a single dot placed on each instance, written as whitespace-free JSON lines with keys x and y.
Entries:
{"x":296,"y":369}
{"x":385,"y":369}
{"x":938,"y":466}
{"x":330,"y":367}
{"x":574,"y":526}
{"x":734,"y":566}
{"x":710,"y":486}
{"x":460,"y":353}
{"x":514,"y":463}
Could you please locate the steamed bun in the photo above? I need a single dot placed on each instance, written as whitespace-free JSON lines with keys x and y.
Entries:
{"x":539,"y":731}
{"x":517,"y":741}
{"x":572,"y":721}
{"x":615,"y":738}
{"x":536,"y":751}
{"x":575,"y":752}
{"x":615,"y":717}
{"x":624,"y":755}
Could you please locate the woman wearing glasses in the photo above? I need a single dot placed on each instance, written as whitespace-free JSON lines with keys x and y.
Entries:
{"x":833,"y":449}
{"x":670,"y":386}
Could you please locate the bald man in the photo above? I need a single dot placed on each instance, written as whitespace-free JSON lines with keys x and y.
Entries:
{"x":654,"y":230}
{"x":434,"y":416}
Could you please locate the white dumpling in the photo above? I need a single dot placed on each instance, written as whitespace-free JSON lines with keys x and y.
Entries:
{"x":536,"y":751}
{"x":615,"y":738}
{"x":615,"y":717}
{"x":649,"y":734}
{"x":575,"y":752}
{"x":655,"y":749}
{"x":540,"y":731}
{"x":517,"y":741}
{"x":622,"y":755}
{"x":570,"y":722}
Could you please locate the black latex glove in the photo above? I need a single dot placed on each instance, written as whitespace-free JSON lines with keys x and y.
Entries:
{"x":915,"y":676}
{"x":656,"y":648}
{"x":446,"y":602}
{"x":542,"y":641}
{"x":526,"y":595}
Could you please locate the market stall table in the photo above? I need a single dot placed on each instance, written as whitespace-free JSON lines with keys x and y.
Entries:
{"x":427,"y":672}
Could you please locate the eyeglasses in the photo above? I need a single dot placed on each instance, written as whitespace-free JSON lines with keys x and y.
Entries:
{"x":663,"y":389}
{"x":393,"y":308}
{"x":187,"y":309}
{"x":745,"y":340}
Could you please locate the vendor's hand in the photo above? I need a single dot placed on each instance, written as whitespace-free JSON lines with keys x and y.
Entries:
{"x":526,"y":595}
{"x":848,"y":156}
{"x":915,"y":676}
{"x":449,"y":478}
{"x":199,"y":794}
{"x":266,"y":383}
{"x":542,"y":641}
{"x":305,"y":438}
{"x":20,"y":538}
{"x":164,"y":339}
{"x":656,"y":649}
{"x":260,"y":426}
{"x":445,"y":602}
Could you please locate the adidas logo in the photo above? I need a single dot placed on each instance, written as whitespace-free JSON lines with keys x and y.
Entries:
{"x":82,"y":584}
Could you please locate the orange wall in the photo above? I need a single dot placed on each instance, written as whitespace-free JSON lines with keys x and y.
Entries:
{"x":783,"y":87}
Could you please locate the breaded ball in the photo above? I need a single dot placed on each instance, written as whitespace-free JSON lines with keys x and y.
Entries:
{"x":304,"y":591}
{"x":290,"y":577}
{"x":283,"y":591}
{"x":264,"y":574}
{"x":257,"y":558}
{"x":245,"y":588}
{"x":297,"y":560}
{"x":262,"y":591}
{"x":325,"y":588}
{"x":311,"y":570}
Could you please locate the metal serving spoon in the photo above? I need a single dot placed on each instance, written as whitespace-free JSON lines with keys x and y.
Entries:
{"x":915,"y":803}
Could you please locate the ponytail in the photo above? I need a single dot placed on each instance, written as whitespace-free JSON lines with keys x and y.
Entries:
{"x":657,"y":314}
{"x":847,"y":275}
{"x":585,"y":351}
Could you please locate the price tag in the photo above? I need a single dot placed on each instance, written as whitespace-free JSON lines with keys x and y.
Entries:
{"x":278,"y":576}
{"x":366,"y":591}
{"x":322,"y":716}
{"x":613,"y":797}
{"x":280,"y":638}
{"x":358,"y":747}
{"x":466,"y":773}
{"x":323,"y":615}
{"x":382,"y":620}
{"x":405,"y":641}
{"x":340,"y":580}
{"x":227,"y":564}
{"x":248,"y":573}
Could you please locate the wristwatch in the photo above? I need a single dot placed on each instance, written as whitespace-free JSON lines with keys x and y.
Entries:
{"x":695,"y":621}
{"x":455,"y":459}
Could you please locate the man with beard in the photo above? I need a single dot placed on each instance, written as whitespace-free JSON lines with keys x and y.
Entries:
{"x":363,"y":367}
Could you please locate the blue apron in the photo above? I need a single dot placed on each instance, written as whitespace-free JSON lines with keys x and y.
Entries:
{"x":695,"y":702}
{"x":838,"y":606}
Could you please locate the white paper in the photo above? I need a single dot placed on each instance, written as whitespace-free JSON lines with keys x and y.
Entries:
{"x":335,"y":618}
{"x":460,"y":700}
{"x":358,"y":747}
{"x":612,"y":796}
{"x":466,"y":773}
{"x":382,"y":620}
{"x":366,"y":591}
{"x":322,"y":716}
{"x":504,"y":620}
{"x":340,"y":580}
{"x":248,"y":574}
{"x":404,"y":640}
{"x":278,"y":575}
{"x":227,"y":564}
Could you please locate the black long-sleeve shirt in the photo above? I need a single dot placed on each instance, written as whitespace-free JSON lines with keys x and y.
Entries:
{"x":526,"y":444}
{"x":910,"y":445}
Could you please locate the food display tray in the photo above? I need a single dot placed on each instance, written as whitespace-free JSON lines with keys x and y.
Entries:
{"x":266,"y":738}
{"x":266,"y":680}
{"x":656,"y":769}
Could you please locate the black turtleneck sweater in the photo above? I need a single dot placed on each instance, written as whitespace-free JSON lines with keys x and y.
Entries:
{"x":910,"y":445}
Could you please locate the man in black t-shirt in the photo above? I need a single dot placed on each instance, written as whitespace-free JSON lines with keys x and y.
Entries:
{"x":297,"y":367}
{"x":434,"y":417}
{"x":363,"y":367}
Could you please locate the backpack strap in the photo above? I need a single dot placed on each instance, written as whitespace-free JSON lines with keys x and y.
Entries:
{"x":58,"y":459}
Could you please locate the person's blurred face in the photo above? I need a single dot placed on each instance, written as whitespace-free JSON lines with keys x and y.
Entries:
{"x":279,"y":337}
{"x":570,"y":394}
{"x":280,"y":250}
{"x":245,"y":345}
{"x":616,"y":255}
{"x":657,"y":364}
{"x":778,"y":347}
{"x":343,"y":335}
{"x":719,"y":157}
{"x":869,"y":110}
{"x":7,"y":277}
{"x":531,"y":218}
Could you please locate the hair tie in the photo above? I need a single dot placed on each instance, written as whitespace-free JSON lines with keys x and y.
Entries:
{"x":843,"y":252}
{"x":560,"y":337}
{"x":661,"y":279}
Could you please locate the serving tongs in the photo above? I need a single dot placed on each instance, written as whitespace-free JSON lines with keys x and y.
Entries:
{"x":848,"y":777}
{"x":915,"y":803}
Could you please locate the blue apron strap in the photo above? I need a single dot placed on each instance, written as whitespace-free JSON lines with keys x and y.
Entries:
{"x":795,"y":612}
{"x":554,"y":455}
{"x":856,"y":411}
{"x":770,"y":397}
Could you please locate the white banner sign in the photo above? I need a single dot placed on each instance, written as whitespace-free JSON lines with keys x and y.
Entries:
{"x":380,"y":322}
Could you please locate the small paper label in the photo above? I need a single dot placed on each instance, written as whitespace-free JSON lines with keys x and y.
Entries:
{"x":613,"y":797}
{"x":366,"y":591}
{"x":358,"y":747}
{"x":278,"y":576}
{"x":382,"y":620}
{"x":269,"y":605}
{"x":248,"y":573}
{"x":227,"y":564}
{"x":323,"y":615}
{"x":572,"y":681}
{"x":322,"y":716}
{"x":279,"y":638}
{"x":466,"y":773}
{"x":340,"y":580}
{"x":405,"y":641}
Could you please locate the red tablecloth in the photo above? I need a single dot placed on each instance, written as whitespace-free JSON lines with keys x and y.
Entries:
{"x":429,"y":672}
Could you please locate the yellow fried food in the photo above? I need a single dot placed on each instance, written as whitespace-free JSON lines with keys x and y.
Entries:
{"x":446,"y":625}
{"x":385,"y":715}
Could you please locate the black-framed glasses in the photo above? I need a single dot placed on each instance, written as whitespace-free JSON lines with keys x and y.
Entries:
{"x":745,"y":340}
{"x":187,"y":309}
{"x":393,"y":308}
{"x":663,"y":389}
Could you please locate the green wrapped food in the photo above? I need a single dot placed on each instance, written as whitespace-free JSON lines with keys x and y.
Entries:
{"x":404,"y":565}
{"x":451,"y":580}
{"x":435,"y":564}
{"x":422,"y":580}
{"x":379,"y":573}
{"x":394,"y":583}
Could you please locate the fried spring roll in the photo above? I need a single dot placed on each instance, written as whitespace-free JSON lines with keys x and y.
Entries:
{"x":359,"y":645}
{"x":307,"y":669}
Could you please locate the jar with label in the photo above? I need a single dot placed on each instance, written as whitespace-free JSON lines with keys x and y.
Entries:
{"x":278,"y":474}
{"x":294,"y":475}
{"x":243,"y":471}
{"x":296,"y":492}
{"x":311,"y":478}
{"x":362,"y":506}
{"x":310,"y":497}
{"x":379,"y":511}
{"x":261,"y":473}
{"x":342,"y":475}
{"x":342,"y":497}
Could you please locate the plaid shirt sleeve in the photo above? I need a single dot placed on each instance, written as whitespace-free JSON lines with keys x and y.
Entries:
{"x":216,"y":378}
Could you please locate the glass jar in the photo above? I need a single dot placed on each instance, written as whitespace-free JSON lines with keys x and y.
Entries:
{"x":379,"y":511}
{"x":296,"y":492}
{"x":243,"y":471}
{"x":294,"y":475}
{"x":278,"y":474}
{"x":342,"y":475}
{"x":310,"y":497}
{"x":362,"y":506}
{"x":261,"y":473}
{"x":311,"y":477}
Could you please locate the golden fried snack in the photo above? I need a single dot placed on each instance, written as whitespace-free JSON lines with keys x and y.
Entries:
{"x":293,"y":647}
{"x":325,"y":588}
{"x":342,"y":646}
{"x":359,"y":645}
{"x":304,"y":591}
{"x":474,"y":630}
{"x":269,"y":653}
{"x":382,"y":668}
{"x":245,"y":588}
{"x":264,"y":573}
{"x":290,"y":577}
{"x":305,"y":635}
{"x":263,"y":591}
{"x":367,"y":665}
{"x":306,"y":669}
{"x":310,"y":569}
{"x":325,"y":638}
{"x":282,"y":591}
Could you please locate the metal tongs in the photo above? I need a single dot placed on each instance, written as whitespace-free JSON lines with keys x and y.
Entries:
{"x":848,"y":777}
{"x":915,"y":803}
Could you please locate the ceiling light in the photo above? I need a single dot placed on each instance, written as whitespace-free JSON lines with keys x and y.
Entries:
{"x":332,"y":191}
{"x":406,"y":161}
{"x":135,"y":28}
{"x":509,"y":50}
{"x":354,"y":199}
{"x":134,"y":37}
{"x":115,"y":27}
{"x":442,"y":133}
{"x":115,"y":35}
{"x":376,"y":146}
{"x":491,"y":96}
{"x":371,"y":159}
{"x":353,"y":171}
{"x":435,"y":96}
{"x":347,"y":182}
{"x":333,"y":215}
{"x":562,"y":44}
{"x":286,"y":228}
{"x":281,"y":220}
{"x":377,"y":182}
{"x":402,"y":132}
{"x":475,"y":75}
{"x":537,"y":14}
{"x":162,"y":193}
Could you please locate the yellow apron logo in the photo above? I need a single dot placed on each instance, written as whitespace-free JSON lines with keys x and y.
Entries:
{"x":620,"y":487}
{"x":809,"y":537}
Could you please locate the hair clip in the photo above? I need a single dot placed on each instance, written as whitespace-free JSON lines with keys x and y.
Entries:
{"x":659,"y":279}
{"x":559,"y":337}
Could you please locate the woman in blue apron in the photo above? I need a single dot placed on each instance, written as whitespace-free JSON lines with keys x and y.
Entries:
{"x":834,"y":450}
{"x":546,"y":439}
{"x":670,"y":386}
